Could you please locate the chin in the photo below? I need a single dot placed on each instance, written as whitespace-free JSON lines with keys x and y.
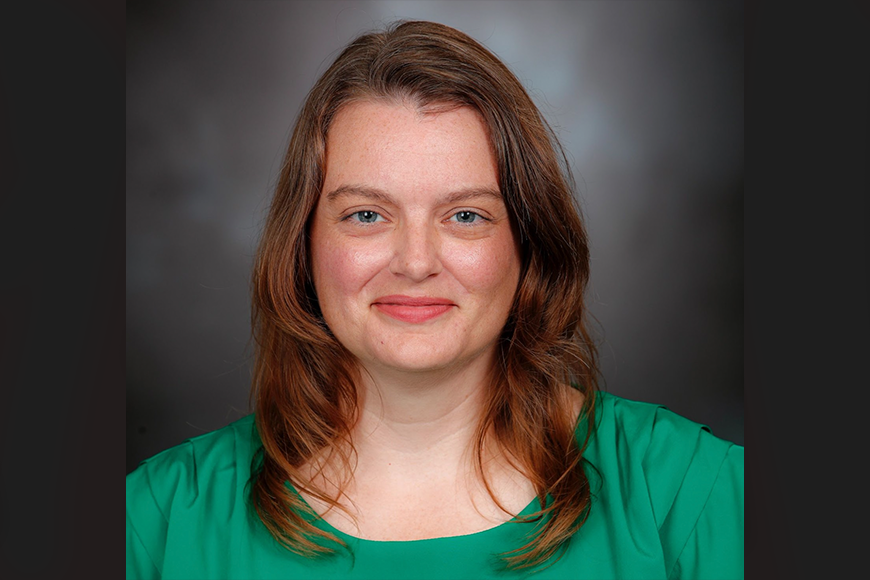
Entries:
{"x":409,"y":362}
{"x":423,"y":356}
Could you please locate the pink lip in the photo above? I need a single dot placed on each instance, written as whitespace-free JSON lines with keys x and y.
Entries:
{"x":413,"y":309}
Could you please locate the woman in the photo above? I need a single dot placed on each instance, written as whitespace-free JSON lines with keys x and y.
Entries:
{"x":425,"y":385}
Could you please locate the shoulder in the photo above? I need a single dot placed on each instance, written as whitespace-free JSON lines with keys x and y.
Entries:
{"x":174,"y":480}
{"x":186,"y":487}
{"x":688,"y":480}
{"x":199,"y":458}
{"x":662,"y":435}
{"x":664,"y":446}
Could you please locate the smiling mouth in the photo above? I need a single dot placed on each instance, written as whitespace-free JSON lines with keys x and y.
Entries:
{"x":413,"y":309}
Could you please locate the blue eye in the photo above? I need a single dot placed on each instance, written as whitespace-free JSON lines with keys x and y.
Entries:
{"x":466,"y":217}
{"x":366,"y":216}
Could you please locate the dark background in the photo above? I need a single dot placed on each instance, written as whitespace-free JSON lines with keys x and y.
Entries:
{"x":647,"y":98}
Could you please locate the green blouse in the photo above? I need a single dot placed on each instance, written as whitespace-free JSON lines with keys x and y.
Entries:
{"x":667,"y":503}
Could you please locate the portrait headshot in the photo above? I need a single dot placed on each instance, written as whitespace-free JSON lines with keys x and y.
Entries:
{"x":435,"y":290}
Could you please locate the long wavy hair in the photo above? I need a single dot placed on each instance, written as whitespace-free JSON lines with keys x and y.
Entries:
{"x":305,"y":381}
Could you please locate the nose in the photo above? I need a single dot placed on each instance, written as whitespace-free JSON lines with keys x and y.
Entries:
{"x":417,"y":252}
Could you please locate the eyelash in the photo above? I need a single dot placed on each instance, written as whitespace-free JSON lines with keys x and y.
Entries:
{"x":473,"y":213}
{"x":377,"y":215}
{"x":357,"y":213}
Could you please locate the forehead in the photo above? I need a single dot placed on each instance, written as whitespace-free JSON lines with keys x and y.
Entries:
{"x":396,"y":146}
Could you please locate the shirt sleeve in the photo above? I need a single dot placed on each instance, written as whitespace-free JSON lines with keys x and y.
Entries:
{"x":140,"y":564}
{"x":152,"y":489}
{"x":714,"y":546}
{"x":695,"y":485}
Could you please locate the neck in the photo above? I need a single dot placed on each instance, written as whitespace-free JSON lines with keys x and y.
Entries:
{"x":419,"y":412}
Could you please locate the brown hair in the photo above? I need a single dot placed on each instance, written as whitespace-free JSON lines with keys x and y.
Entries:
{"x":304,"y":380}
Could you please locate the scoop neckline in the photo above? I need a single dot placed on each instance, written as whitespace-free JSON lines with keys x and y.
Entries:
{"x":319,"y":521}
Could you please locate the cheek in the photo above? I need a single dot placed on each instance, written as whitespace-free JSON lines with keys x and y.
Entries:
{"x":343,"y":269}
{"x":488,"y":268}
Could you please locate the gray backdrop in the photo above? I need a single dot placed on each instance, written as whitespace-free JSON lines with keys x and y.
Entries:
{"x":647,"y":98}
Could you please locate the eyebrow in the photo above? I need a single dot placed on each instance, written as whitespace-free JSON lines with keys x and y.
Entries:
{"x":376,"y":194}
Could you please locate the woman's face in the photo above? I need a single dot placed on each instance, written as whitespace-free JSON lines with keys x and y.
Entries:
{"x":414,"y":260}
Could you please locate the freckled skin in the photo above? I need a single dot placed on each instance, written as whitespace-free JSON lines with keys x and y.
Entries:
{"x":414,"y":237}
